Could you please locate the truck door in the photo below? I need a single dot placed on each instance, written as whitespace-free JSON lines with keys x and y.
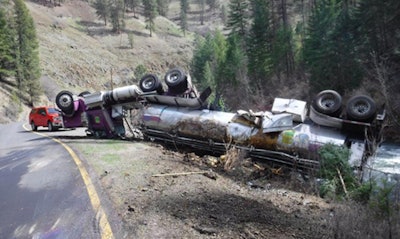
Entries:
{"x":42,"y":117}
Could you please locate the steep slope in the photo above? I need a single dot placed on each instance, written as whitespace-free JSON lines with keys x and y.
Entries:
{"x":78,"y":52}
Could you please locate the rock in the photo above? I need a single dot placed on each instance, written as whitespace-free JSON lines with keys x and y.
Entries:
{"x":205,"y":230}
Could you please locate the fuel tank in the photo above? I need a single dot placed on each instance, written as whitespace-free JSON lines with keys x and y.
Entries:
{"x":117,"y":96}
{"x":258,"y":130}
{"x":261,"y":130}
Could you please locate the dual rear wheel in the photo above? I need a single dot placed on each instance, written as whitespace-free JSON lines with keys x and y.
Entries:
{"x":359,"y":108}
{"x":175,"y":79}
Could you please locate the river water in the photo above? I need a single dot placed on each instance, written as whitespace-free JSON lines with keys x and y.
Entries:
{"x":385,"y":164}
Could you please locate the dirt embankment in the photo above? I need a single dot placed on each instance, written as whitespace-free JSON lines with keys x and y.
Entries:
{"x":162,"y":193}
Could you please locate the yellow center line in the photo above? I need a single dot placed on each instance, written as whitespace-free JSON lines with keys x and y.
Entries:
{"x":106,"y":231}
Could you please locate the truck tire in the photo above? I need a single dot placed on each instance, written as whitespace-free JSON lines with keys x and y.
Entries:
{"x":65,"y":102}
{"x":361,"y":108}
{"x":150,"y":83}
{"x":176,"y":81}
{"x":328,"y":102}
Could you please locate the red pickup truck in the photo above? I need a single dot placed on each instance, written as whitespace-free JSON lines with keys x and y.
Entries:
{"x":46,"y":117}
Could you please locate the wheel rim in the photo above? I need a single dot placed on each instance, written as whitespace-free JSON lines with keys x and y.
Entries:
{"x":361,"y":108}
{"x":65,"y":101}
{"x":174,"y":77}
{"x":327,"y":103}
{"x":148,"y":84}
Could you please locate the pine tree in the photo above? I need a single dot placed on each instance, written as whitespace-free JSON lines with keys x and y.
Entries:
{"x":219,"y":49}
{"x":347,"y":69}
{"x":224,"y":14}
{"x":208,"y":75}
{"x":238,"y":17}
{"x":236,"y":60}
{"x":377,"y":25}
{"x":202,"y":4}
{"x":234,"y":67}
{"x":315,"y":49}
{"x":213,"y":4}
{"x":208,"y":63}
{"x":329,"y":49}
{"x":183,"y":15}
{"x":102,"y":9}
{"x":7,"y":47}
{"x":282,"y":46}
{"x":150,"y":13}
{"x":282,"y":51}
{"x":202,"y":54}
{"x":259,"y":44}
{"x":162,"y":6}
{"x":28,"y":70}
{"x":133,"y":5}
{"x":117,"y":10}
{"x":378,"y":29}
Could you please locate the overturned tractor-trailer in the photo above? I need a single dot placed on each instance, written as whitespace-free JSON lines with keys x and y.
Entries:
{"x":290,"y":134}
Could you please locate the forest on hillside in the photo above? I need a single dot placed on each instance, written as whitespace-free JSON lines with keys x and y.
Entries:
{"x":275,"y":46}
{"x":285,"y":48}
{"x":262,"y":46}
{"x":19,"y":51}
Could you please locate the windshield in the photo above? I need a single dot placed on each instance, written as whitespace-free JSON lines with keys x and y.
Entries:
{"x":52,"y":110}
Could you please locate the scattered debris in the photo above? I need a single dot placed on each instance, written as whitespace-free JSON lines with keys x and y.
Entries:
{"x":210,"y":175}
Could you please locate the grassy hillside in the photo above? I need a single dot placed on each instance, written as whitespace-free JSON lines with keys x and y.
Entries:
{"x":79,"y":52}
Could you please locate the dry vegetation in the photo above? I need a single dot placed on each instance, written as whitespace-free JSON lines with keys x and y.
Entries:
{"x":79,"y":52}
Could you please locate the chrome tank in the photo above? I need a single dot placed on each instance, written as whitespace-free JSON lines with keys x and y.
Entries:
{"x":216,"y":125}
{"x":108,"y":98}
{"x":122,"y":94}
{"x":183,"y":121}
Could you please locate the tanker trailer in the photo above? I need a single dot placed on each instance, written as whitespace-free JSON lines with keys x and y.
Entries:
{"x":264,"y":135}
{"x":178,"y":115}
{"x":286,"y":135}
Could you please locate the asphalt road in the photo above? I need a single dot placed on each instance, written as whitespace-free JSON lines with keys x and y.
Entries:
{"x":42,"y":191}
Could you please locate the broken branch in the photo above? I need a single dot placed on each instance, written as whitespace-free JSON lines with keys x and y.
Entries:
{"x":342,"y":181}
{"x":178,"y":174}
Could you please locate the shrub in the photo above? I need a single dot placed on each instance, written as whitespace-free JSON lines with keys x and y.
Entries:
{"x":336,"y":168}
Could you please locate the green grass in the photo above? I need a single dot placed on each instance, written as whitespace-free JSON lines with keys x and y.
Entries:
{"x":96,"y":150}
{"x":124,"y":158}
